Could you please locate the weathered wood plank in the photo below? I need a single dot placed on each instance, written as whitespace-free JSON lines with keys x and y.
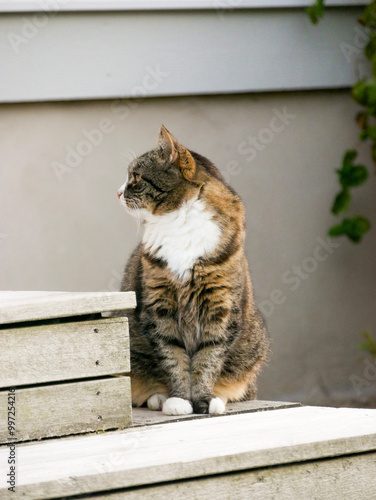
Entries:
{"x":63,"y":351}
{"x":345,"y":477}
{"x":143,"y":416}
{"x":182,"y":450}
{"x":32,"y":306}
{"x":64,"y":409}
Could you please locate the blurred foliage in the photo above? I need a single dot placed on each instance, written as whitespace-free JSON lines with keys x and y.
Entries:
{"x":369,"y":344}
{"x":351,"y":175}
{"x":316,"y":11}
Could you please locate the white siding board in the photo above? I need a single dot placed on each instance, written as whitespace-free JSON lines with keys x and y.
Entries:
{"x":109,"y":55}
{"x":103,"y":5}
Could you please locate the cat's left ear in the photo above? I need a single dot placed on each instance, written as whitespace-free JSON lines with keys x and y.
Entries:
{"x":177,"y":153}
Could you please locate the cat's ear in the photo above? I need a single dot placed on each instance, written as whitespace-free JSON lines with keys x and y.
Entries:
{"x":168,"y":144}
{"x":177,"y":153}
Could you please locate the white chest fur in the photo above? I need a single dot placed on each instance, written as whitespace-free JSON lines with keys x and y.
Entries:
{"x":182,"y":236}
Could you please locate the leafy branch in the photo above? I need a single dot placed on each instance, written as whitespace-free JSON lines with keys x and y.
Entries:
{"x":351,"y":175}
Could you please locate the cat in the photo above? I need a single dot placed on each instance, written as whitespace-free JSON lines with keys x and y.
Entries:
{"x":197,"y":338}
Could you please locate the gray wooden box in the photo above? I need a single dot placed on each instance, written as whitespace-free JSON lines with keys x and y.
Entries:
{"x":69,"y":365}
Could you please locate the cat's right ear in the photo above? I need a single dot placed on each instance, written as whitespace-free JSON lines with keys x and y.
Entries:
{"x":168,"y":144}
{"x":177,"y":153}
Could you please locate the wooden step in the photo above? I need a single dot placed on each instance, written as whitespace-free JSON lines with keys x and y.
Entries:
{"x":288,"y":453}
{"x":66,"y":366}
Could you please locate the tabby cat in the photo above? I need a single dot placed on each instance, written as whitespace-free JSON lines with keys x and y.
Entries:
{"x":197,"y":338}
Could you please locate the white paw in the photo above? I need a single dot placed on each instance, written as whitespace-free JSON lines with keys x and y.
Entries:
{"x":177,"y":406}
{"x":155,"y":402}
{"x":216,"y":406}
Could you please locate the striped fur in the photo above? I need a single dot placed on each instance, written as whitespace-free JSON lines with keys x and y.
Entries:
{"x":196,"y":334}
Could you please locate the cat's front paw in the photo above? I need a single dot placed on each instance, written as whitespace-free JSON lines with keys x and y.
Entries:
{"x":155,"y":402}
{"x":177,"y":406}
{"x":213,"y":406}
{"x":216,"y":406}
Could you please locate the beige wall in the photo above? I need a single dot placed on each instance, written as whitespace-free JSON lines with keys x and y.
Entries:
{"x":68,"y":232}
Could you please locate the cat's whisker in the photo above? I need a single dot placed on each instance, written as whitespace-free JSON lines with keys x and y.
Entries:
{"x":129,"y":154}
{"x":136,"y":214}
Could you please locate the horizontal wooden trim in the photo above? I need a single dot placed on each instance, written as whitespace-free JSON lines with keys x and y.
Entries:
{"x":108,"y":5}
{"x":354,"y":478}
{"x":65,"y":351}
{"x":115,"y":55}
{"x":190,"y":449}
{"x":33,"y":306}
{"x":65,"y":409}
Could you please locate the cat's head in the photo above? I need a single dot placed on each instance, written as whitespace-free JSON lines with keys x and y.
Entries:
{"x":160,"y":180}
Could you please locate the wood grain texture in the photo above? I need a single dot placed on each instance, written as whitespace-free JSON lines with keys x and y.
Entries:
{"x":181,"y":450}
{"x":144,"y":416}
{"x":63,"y":351}
{"x":32,"y":306}
{"x":64,"y":409}
{"x":350,"y":478}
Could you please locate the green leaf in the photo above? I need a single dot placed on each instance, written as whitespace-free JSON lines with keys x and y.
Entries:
{"x":337,"y":230}
{"x":371,"y":93}
{"x":341,"y":202}
{"x":370,"y":48}
{"x":359,"y":92}
{"x":370,"y":133}
{"x":354,"y":176}
{"x":363,"y":135}
{"x":316,"y":11}
{"x":368,"y":17}
{"x":354,"y":228}
{"x":369,"y":345}
{"x":348,"y":159}
{"x":351,"y":175}
{"x":364,"y":92}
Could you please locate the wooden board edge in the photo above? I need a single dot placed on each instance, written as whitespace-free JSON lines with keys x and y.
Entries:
{"x":55,"y":393}
{"x":64,"y":304}
{"x":123,"y":321}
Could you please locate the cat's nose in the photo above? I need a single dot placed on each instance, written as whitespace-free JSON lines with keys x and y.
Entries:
{"x":121,"y":190}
